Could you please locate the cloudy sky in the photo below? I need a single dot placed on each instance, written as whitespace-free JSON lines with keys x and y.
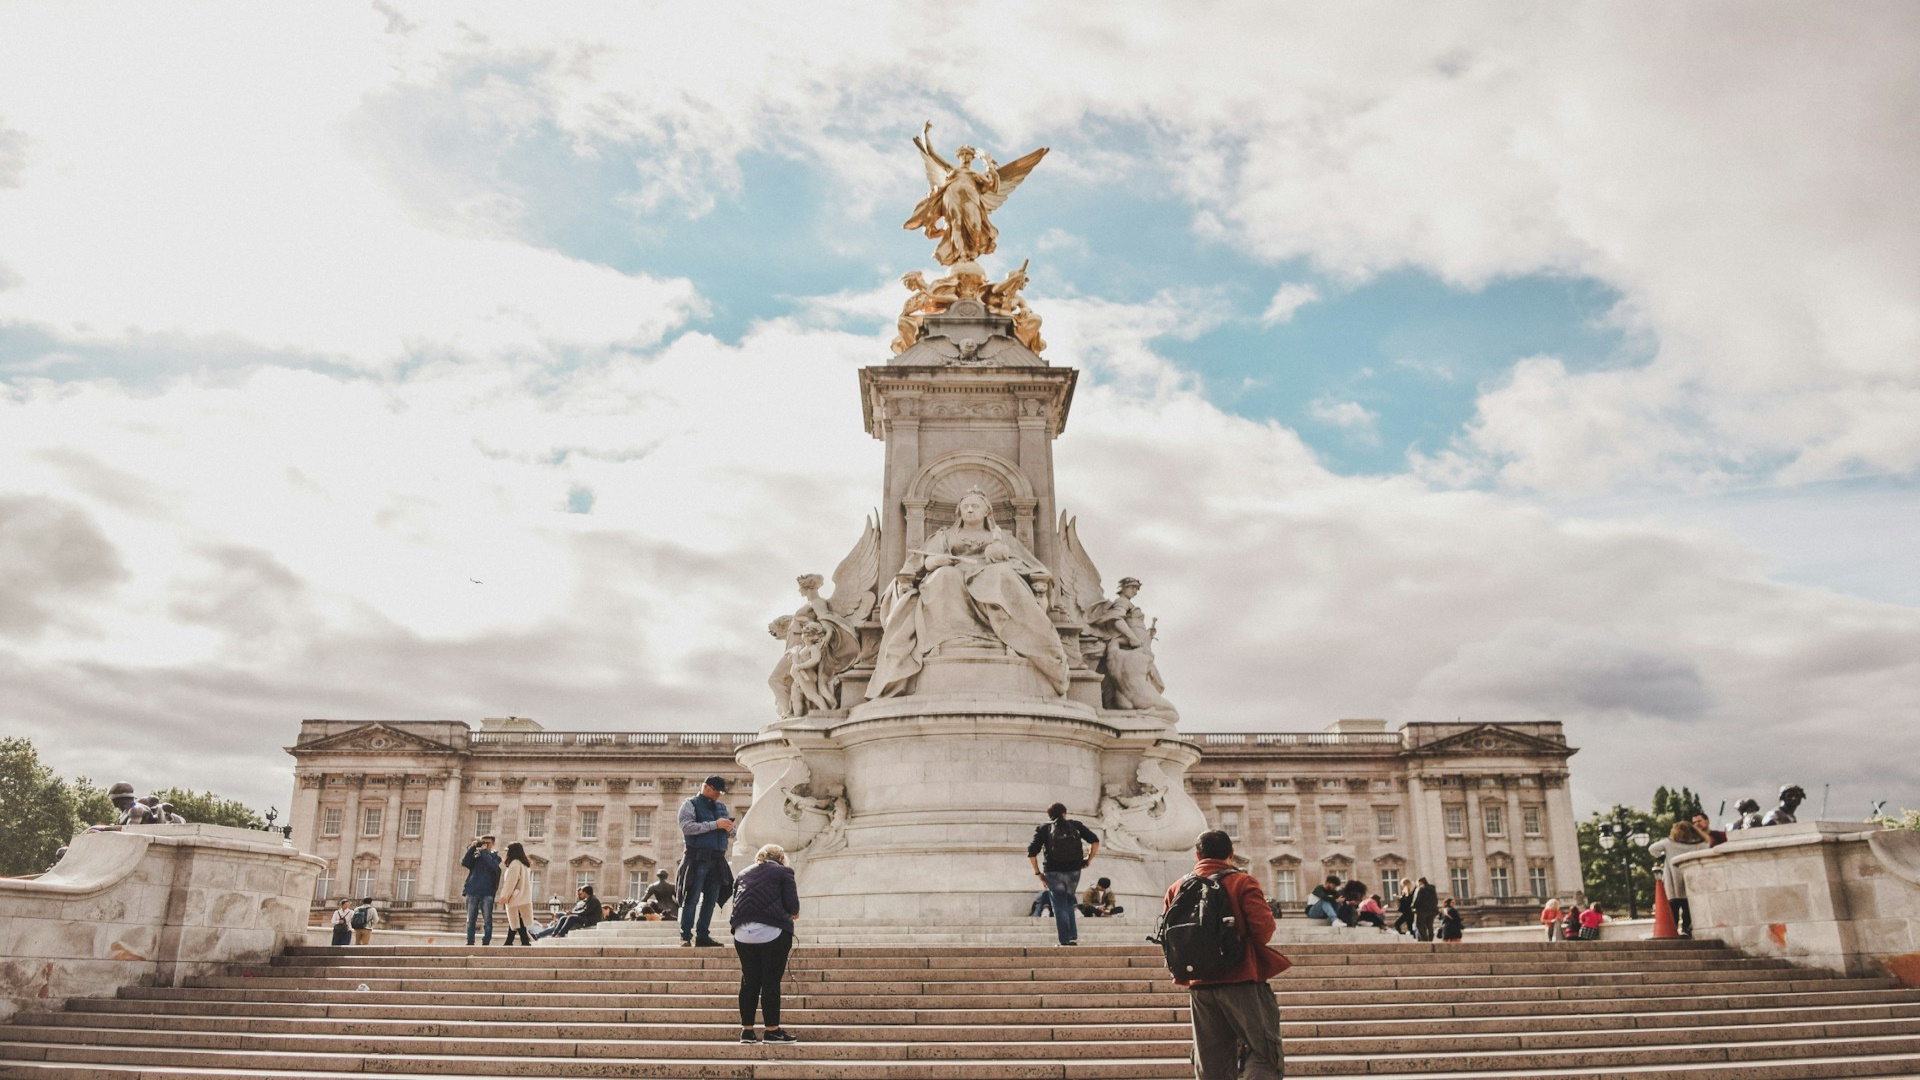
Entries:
{"x":1495,"y":361}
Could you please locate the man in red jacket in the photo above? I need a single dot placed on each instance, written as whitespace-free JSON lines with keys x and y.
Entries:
{"x":1238,"y":1009}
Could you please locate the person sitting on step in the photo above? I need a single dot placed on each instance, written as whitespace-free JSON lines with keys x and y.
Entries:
{"x":1098,"y":903}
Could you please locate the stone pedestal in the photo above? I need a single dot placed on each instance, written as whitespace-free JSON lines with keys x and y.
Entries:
{"x":150,"y":905}
{"x":923,"y":806}
{"x":1836,"y":895}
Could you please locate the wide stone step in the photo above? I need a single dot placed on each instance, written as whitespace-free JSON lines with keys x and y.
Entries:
{"x":566,"y":1025}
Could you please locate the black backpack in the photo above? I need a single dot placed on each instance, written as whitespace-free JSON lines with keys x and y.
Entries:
{"x":1200,"y":932}
{"x":359,"y":919}
{"x":1063,"y":846}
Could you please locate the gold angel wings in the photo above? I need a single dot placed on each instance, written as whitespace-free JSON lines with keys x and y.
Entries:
{"x":960,"y":200}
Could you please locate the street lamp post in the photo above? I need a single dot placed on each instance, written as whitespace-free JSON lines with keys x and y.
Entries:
{"x":1621,"y":833}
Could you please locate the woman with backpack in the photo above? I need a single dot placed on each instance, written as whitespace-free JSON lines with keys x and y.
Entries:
{"x":516,"y":893}
{"x":343,"y":923}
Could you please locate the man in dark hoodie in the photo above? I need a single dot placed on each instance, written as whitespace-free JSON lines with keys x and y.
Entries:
{"x":1238,"y":1008}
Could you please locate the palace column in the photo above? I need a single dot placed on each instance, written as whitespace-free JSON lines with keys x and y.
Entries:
{"x":442,"y":836}
{"x":1424,"y":823}
{"x":304,"y":815}
{"x":384,"y":876}
{"x":1516,"y":835}
{"x":1566,"y":840}
{"x":1476,"y":840}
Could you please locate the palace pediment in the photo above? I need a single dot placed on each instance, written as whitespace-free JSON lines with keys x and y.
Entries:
{"x":1492,"y":740}
{"x":376,"y":738}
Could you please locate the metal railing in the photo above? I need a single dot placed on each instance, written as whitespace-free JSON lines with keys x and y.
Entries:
{"x":690,"y":739}
{"x":1300,"y":738}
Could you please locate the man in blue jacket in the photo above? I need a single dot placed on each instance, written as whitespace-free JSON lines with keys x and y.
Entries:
{"x":705,"y":877}
{"x":483,"y":881}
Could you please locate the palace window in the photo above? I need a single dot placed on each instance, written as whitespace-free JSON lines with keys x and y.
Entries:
{"x":1283,"y":824}
{"x":403,"y":884}
{"x":1530,"y":820}
{"x":1389,"y":883}
{"x":1286,"y":886}
{"x":1496,"y":819}
{"x":582,"y":879}
{"x":636,"y":884}
{"x":590,"y":785}
{"x":1384,"y":825}
{"x":1499,"y":877}
{"x":362,"y":882}
{"x":536,"y":826}
{"x":1456,"y":820}
{"x":371,"y":819}
{"x":330,"y":821}
{"x":1537,"y":882}
{"x":1333,"y":823}
{"x":482,"y":822}
{"x":643,"y":823}
{"x":1383,"y":785}
{"x":589,"y":824}
{"x":1278,"y":783}
{"x":323,"y":885}
{"x":1333,"y":784}
{"x":643,"y":785}
{"x":412,"y":820}
{"x":1229,"y":785}
{"x":1230,"y":823}
{"x":1461,"y":881}
{"x":533,"y":884}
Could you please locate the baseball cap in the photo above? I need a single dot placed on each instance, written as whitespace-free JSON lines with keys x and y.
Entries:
{"x":717,"y":783}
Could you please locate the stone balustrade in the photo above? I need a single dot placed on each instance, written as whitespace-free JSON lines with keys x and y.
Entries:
{"x":149,"y":905}
{"x":1836,"y":895}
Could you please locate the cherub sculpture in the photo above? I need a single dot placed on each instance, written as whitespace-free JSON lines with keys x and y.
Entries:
{"x":960,"y":201}
{"x":926,"y":299}
{"x":823,"y":635}
{"x":1119,"y":639}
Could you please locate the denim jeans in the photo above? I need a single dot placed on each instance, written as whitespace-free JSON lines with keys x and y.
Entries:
{"x":477,"y":906}
{"x":1063,"y":884}
{"x":1323,"y":909}
{"x":698,"y":894}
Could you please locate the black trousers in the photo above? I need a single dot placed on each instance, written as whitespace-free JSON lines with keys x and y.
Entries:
{"x":1423,"y":924}
{"x":1682,"y":916}
{"x":761,"y":969}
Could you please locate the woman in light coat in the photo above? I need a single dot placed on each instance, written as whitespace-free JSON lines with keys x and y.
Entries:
{"x":1682,"y":839}
{"x":516,"y":893}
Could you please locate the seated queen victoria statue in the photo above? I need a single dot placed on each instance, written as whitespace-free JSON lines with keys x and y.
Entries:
{"x":970,"y":584}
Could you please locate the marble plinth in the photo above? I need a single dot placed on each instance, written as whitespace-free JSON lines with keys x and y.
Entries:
{"x":923,"y":806}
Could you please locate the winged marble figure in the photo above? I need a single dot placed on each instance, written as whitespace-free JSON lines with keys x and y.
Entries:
{"x":960,"y":200}
{"x":822,"y":638}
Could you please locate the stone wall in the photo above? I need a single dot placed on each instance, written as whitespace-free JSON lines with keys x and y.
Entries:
{"x":149,"y":905}
{"x":1834,"y":895}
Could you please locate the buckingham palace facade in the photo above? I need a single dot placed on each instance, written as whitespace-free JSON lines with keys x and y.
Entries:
{"x":1480,"y":809}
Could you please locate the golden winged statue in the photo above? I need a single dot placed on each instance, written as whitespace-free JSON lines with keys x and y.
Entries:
{"x":959,"y":199}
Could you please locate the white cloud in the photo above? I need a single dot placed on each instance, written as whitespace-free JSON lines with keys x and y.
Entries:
{"x":240,"y":552}
{"x":1288,"y":299}
{"x":1349,"y":416}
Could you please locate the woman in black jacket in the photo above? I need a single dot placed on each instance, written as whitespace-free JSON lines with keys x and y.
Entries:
{"x":765,"y":903}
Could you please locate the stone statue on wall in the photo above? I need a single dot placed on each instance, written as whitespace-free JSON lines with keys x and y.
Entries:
{"x":960,"y":201}
{"x":823,"y":638}
{"x":971,"y":583}
{"x":1119,"y":638}
{"x":1791,"y":796}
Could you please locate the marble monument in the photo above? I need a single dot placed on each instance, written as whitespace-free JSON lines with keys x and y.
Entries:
{"x":968,"y":668}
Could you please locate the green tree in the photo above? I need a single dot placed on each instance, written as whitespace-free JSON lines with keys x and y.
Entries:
{"x":90,"y":803}
{"x":1606,"y":873}
{"x":206,"y":808}
{"x":36,"y":810}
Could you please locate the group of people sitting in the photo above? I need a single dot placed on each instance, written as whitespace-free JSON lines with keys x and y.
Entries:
{"x":1097,"y":902}
{"x":1575,"y":922}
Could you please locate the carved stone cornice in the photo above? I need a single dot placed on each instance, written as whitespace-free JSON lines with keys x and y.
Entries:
{"x":312,"y":780}
{"x":616,"y":785}
{"x":565,"y":783}
{"x":512,"y":783}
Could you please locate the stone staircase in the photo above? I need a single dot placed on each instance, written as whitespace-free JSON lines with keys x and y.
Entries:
{"x":1104,"y":1012}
